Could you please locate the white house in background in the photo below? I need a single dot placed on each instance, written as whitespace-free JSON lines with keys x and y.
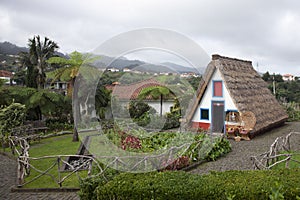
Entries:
{"x":113,"y":69}
{"x":229,"y":89}
{"x":288,"y":77}
{"x":126,"y":93}
{"x":7,"y":76}
{"x":126,"y":69}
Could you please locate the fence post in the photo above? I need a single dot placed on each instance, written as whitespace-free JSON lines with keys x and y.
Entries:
{"x":90,"y":167}
{"x":20,"y":174}
{"x":58,"y":168}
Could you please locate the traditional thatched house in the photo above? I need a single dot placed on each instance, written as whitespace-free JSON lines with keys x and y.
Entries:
{"x":232,"y":91}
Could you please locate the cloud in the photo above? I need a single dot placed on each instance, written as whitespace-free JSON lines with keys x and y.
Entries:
{"x":266,"y":32}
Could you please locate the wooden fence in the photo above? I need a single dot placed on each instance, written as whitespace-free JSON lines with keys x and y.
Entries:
{"x":275,"y":154}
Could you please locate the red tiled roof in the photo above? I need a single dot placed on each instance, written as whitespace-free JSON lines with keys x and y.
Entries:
{"x":131,"y":91}
{"x":4,"y":73}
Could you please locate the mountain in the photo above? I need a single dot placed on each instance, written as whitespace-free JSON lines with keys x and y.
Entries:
{"x":119,"y":63}
{"x":183,"y":69}
{"x":123,"y":62}
{"x":7,"y":48}
{"x":11,"y":49}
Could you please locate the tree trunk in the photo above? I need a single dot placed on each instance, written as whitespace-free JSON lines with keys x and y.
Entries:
{"x":161,"y":104}
{"x":76,"y":110}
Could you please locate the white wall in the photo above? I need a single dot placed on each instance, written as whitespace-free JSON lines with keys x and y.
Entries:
{"x":208,"y":97}
{"x":154,"y":104}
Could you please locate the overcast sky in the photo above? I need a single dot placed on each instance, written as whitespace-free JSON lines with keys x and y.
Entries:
{"x":267,"y":32}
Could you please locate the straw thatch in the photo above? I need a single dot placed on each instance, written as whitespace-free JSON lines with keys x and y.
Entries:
{"x":247,"y":90}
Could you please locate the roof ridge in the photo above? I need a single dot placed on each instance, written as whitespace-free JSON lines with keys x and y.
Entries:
{"x":218,"y":57}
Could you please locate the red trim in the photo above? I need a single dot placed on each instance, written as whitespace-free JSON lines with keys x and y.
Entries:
{"x":202,"y":125}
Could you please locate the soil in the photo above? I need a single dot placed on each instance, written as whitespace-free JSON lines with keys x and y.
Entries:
{"x":239,"y":157}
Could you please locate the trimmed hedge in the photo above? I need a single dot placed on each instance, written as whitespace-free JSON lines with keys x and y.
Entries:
{"x":182,"y":185}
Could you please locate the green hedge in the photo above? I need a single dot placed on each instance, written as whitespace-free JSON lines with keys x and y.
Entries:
{"x":182,"y":185}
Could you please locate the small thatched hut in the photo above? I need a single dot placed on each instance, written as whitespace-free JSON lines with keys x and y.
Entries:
{"x":229,"y":90}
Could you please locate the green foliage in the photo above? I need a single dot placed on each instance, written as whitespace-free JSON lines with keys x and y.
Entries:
{"x":154,"y":91}
{"x":2,"y":81}
{"x":10,"y":117}
{"x":138,"y":108}
{"x":182,"y":185}
{"x":50,"y":104}
{"x":102,"y":100}
{"x":293,"y":110}
{"x":35,"y":60}
{"x":208,"y":148}
{"x":276,"y":192}
{"x":172,"y":118}
{"x":194,"y":81}
{"x":89,"y":184}
{"x":286,"y":91}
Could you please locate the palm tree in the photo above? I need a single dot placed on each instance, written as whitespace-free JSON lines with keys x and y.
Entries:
{"x":69,"y":71}
{"x":39,"y":52}
{"x":155,"y":92}
{"x":31,"y":72}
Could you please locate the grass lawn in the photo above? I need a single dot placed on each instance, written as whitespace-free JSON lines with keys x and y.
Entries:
{"x":292,"y":164}
{"x":60,"y":145}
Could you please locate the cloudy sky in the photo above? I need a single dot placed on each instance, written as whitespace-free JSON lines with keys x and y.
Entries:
{"x":266,"y":32}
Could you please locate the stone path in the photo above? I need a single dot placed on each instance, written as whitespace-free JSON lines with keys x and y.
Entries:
{"x":8,"y":174}
{"x":239,"y":157}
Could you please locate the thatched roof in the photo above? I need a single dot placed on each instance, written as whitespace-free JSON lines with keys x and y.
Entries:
{"x":247,"y":89}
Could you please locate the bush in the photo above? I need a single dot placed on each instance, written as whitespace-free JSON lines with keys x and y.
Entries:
{"x":182,"y":185}
{"x":10,"y":117}
{"x":58,"y":124}
{"x":208,"y":148}
{"x":88,"y":185}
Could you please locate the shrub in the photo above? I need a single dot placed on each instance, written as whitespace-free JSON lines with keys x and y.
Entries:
{"x":10,"y":117}
{"x":217,"y":185}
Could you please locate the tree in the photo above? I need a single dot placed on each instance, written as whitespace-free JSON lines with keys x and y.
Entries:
{"x":267,"y":77}
{"x":39,"y":53}
{"x":155,"y":92}
{"x":47,"y":102}
{"x":102,"y":100}
{"x":69,"y":71}
{"x":31,"y":72}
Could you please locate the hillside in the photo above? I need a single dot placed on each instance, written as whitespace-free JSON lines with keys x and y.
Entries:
{"x":9,"y":53}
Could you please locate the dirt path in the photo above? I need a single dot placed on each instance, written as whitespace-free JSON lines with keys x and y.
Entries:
{"x":239,"y":157}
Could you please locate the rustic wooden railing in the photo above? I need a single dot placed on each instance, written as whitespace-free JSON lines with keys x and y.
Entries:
{"x":123,"y":163}
{"x":275,"y":154}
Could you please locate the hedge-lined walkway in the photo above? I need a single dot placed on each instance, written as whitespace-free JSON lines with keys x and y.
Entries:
{"x":239,"y":157}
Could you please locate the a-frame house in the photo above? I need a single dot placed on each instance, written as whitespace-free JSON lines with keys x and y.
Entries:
{"x":229,"y":90}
